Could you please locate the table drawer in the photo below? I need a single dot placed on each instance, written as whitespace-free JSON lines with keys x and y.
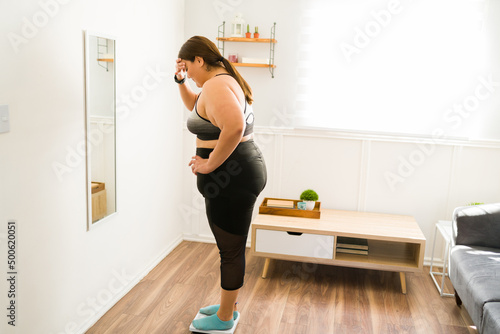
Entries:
{"x":294,"y":243}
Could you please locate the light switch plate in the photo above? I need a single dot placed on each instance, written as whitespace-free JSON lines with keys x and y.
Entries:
{"x":4,"y":118}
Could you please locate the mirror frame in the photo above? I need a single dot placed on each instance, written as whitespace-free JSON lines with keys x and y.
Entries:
{"x":86,"y":51}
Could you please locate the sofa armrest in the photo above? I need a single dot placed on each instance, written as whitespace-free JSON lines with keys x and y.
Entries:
{"x":477,"y":225}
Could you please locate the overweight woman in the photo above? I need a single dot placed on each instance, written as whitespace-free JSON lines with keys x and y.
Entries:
{"x":229,"y":166}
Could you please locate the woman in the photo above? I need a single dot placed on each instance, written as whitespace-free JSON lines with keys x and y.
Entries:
{"x":229,"y":167}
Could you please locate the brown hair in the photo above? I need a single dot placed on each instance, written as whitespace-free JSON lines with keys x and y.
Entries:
{"x":199,"y":46}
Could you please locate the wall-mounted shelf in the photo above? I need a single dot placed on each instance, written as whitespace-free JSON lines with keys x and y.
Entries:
{"x":102,"y":53}
{"x":250,"y":40}
{"x":271,"y":41}
{"x":252,"y":65}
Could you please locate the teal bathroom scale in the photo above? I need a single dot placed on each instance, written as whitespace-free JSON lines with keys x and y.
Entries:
{"x":227,"y":331}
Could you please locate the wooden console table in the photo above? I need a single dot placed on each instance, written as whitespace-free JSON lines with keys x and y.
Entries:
{"x":395,"y":242}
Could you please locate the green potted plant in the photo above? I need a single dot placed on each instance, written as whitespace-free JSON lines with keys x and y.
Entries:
{"x":310,"y":197}
{"x":248,"y":34}
{"x":256,"y":33}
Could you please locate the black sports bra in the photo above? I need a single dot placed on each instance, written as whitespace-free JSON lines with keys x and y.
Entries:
{"x":205,"y":130}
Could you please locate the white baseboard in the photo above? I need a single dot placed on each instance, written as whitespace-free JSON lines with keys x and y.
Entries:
{"x":209,"y":239}
{"x":126,"y":289}
{"x":437,"y":262}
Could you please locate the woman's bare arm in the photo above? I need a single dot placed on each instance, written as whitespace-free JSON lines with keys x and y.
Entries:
{"x":224,"y":110}
{"x":187,"y":94}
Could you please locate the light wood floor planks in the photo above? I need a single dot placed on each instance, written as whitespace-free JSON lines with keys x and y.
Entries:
{"x":296,"y":298}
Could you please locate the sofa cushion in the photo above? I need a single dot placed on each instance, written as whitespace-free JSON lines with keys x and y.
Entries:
{"x":477,"y":225}
{"x":475,"y":275}
{"x":491,"y":319}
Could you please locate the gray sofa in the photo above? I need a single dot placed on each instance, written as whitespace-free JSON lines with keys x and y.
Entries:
{"x":475,"y":264}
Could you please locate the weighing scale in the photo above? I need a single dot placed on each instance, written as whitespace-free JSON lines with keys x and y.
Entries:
{"x":217,"y":331}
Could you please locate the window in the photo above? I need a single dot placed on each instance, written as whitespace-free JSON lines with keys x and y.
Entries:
{"x":399,"y":66}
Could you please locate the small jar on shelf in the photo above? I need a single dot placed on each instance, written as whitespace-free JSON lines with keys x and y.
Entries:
{"x":233,"y":57}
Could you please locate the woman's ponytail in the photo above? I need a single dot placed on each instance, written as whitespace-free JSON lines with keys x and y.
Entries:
{"x":236,"y":75}
{"x":203,"y":47}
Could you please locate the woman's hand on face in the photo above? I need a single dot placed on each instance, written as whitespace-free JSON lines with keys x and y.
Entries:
{"x":180,"y":69}
{"x":200,"y":165}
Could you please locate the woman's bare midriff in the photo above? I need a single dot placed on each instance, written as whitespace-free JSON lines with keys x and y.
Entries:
{"x":212,"y":143}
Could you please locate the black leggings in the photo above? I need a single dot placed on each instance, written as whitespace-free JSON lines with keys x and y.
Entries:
{"x":230,"y":194}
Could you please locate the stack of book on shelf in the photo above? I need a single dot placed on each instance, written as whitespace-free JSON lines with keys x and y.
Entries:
{"x":352,"y":245}
{"x":280,"y":203}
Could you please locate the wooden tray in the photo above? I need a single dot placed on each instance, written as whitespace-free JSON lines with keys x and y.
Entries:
{"x":314,"y":213}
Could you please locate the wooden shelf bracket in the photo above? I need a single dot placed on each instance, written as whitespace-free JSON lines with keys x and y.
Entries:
{"x":221,"y":39}
{"x":271,"y":50}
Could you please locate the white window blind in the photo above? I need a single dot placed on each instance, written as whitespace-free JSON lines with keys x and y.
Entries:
{"x":411,"y":67}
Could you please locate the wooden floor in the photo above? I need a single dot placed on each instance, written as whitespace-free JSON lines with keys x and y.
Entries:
{"x":295,"y":298}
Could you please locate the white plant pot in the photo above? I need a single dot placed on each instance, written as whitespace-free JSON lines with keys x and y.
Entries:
{"x":310,"y":205}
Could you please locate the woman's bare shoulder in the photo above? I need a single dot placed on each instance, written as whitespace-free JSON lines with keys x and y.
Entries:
{"x":221,"y":88}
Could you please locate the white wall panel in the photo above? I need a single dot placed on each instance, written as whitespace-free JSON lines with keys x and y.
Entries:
{"x":329,"y":166}
{"x":404,"y":180}
{"x":422,"y":177}
{"x":477,"y":176}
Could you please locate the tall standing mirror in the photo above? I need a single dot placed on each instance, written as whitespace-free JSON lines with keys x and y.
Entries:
{"x":100,"y":115}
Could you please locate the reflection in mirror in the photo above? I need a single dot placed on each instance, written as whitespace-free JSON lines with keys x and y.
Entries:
{"x":100,"y":126}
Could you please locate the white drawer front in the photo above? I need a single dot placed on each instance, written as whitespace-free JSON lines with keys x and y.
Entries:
{"x":282,"y":242}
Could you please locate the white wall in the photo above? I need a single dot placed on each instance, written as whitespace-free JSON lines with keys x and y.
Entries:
{"x":68,"y":277}
{"x":423,"y":176}
{"x":407,"y":75}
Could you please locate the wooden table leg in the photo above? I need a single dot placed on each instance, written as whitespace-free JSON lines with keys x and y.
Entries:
{"x":402,"y":276}
{"x":266,"y":267}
